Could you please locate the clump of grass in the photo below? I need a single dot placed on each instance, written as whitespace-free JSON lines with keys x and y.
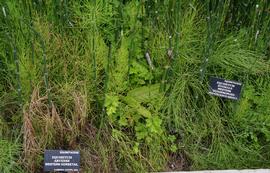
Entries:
{"x":30,"y":145}
{"x":9,"y":154}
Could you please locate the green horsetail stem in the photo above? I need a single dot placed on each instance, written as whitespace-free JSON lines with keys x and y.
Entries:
{"x":169,"y":56}
{"x":173,"y":51}
{"x":260,"y":23}
{"x":45,"y":69}
{"x":32,"y":62}
{"x":171,"y":16}
{"x":265,"y":18}
{"x":142,"y":29}
{"x":208,"y":43}
{"x":107,"y":72}
{"x":145,"y":50}
{"x":119,"y":25}
{"x":177,"y":23}
{"x":254,"y":27}
{"x":130,"y":55}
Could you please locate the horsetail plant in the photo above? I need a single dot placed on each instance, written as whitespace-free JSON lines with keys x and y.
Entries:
{"x":177,"y":23}
{"x":133,"y":126}
{"x":44,"y":61}
{"x":107,"y":73}
{"x":142,"y":27}
{"x":143,"y":46}
{"x":169,"y":56}
{"x":209,"y":41}
{"x":130,"y":55}
{"x":174,"y":27}
{"x":32,"y":61}
{"x":255,"y":26}
{"x":106,"y":83}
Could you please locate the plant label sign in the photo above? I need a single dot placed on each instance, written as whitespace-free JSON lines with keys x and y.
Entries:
{"x":225,"y":88}
{"x":61,"y":160}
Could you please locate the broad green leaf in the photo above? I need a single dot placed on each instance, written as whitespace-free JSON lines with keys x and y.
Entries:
{"x":146,"y":93}
{"x":137,"y":106}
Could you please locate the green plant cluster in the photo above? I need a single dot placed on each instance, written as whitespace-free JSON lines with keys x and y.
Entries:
{"x":126,"y":83}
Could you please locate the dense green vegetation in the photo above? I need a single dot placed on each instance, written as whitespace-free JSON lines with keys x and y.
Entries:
{"x":126,"y":83}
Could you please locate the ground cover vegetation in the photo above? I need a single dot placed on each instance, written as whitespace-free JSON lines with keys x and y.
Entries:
{"x":126,"y":83}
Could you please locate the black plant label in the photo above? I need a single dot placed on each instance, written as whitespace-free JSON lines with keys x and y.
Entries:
{"x":225,"y":88}
{"x":61,"y":160}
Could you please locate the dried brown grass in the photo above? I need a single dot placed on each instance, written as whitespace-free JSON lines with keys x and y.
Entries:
{"x":44,"y":128}
{"x":41,"y":126}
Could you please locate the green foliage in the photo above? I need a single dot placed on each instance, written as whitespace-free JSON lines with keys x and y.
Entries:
{"x":139,"y":111}
{"x":132,"y":112}
{"x":252,"y":117}
{"x":111,"y":104}
{"x":139,"y":74}
{"x":74,"y":75}
{"x":9,"y":152}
